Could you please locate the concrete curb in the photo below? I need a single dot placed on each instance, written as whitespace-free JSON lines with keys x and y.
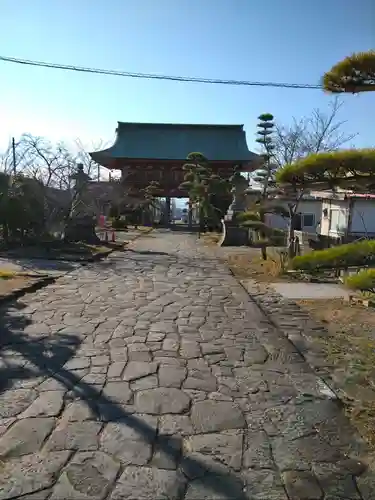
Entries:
{"x":300,"y":329}
{"x":29,"y":288}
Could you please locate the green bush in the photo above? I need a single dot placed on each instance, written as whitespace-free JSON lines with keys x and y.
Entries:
{"x":364,"y":281}
{"x":119,"y":224}
{"x":343,"y":256}
{"x":247,"y":216}
{"x":279,"y":238}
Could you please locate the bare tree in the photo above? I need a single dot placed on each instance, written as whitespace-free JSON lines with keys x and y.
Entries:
{"x":322,"y":131}
{"x":93,"y":169}
{"x":6,"y":160}
{"x":319,"y":132}
{"x":51,"y":166}
{"x":39,"y":159}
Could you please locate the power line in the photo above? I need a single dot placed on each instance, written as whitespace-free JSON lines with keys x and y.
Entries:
{"x":150,"y":76}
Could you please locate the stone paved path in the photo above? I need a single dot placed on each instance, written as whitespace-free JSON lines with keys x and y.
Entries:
{"x":151,"y":375}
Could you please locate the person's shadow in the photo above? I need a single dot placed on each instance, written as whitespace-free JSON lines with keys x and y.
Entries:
{"x":46,"y":356}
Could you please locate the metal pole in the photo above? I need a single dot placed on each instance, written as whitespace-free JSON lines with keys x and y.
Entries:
{"x":14,"y":155}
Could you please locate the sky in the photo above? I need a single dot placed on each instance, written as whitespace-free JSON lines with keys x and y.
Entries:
{"x":290,"y":41}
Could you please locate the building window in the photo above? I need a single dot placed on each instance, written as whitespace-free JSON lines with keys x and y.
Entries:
{"x":308,"y":220}
{"x":337,"y":220}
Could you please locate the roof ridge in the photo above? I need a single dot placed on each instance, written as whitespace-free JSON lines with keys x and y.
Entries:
{"x":198,"y":125}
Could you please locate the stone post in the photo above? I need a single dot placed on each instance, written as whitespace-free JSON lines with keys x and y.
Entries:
{"x":233,"y":234}
{"x":81,"y":222}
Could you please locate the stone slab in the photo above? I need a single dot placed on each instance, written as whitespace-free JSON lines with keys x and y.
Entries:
{"x":314,"y":291}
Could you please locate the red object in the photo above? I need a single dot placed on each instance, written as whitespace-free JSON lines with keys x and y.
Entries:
{"x":113,"y":236}
{"x":102,"y":220}
{"x":358,"y":195}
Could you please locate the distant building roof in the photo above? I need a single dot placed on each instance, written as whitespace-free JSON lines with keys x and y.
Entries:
{"x":343,"y":194}
{"x":163,"y":141}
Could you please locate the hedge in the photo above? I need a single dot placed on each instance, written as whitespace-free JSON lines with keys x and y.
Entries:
{"x":343,"y":256}
{"x":364,"y":281}
{"x":119,"y":224}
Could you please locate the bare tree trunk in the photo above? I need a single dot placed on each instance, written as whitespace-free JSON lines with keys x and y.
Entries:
{"x":5,"y":232}
{"x":263,"y":237}
{"x":292,"y":219}
{"x":291,"y":245}
{"x":263,"y":215}
{"x":190,"y":214}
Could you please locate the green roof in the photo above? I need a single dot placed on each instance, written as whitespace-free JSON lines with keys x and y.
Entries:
{"x":163,"y":141}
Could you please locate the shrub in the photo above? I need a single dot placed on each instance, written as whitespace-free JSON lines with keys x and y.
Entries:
{"x":247,"y":216}
{"x":343,"y":256}
{"x":119,"y":224}
{"x":279,"y":238}
{"x":364,"y":281}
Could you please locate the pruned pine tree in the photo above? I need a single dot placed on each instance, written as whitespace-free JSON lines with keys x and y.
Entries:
{"x":203,"y":186}
{"x":265,"y":193}
{"x":149,"y":202}
{"x":356,"y":73}
{"x":351,"y":169}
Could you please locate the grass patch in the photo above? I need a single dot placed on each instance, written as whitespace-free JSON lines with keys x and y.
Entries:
{"x":248,"y":264}
{"x":92,"y":248}
{"x":350,"y":349}
{"x":13,"y":283}
{"x":7,"y":275}
{"x":211,"y":238}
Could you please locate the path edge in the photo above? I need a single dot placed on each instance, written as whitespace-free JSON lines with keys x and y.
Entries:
{"x":299,"y":328}
{"x":32,"y":287}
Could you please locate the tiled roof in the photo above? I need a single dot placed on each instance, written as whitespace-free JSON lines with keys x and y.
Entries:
{"x":175,"y":141}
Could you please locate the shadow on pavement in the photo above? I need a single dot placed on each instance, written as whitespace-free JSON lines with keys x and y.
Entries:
{"x":146,"y":252}
{"x":17,"y":348}
{"x":46,"y":356}
{"x":37,"y":265}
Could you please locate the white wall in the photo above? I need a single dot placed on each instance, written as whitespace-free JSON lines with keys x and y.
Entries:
{"x":363,"y":217}
{"x":335,"y":222}
{"x":311,"y":207}
{"x":324,"y":224}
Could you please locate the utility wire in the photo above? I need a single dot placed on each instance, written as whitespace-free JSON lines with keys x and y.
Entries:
{"x":150,"y":76}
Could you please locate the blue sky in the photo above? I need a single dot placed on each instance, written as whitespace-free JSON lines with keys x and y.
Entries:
{"x":274,"y":40}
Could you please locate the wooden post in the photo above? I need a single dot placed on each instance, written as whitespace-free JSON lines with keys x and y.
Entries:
{"x":190,"y":214}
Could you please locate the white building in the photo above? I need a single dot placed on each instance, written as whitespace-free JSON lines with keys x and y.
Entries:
{"x":348,"y":214}
{"x":309,"y":214}
{"x":333,"y":215}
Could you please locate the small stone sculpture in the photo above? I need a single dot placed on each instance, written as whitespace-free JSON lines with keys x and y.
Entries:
{"x":240,"y":185}
{"x":81,"y":222}
{"x":233,"y":234}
